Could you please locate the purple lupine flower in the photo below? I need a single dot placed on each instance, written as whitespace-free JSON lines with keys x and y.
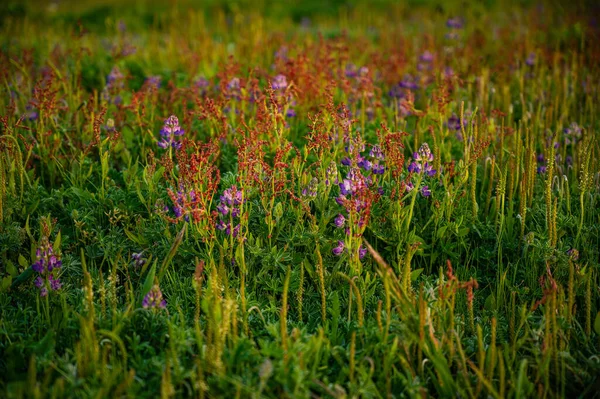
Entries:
{"x":454,"y":122}
{"x":530,"y":61}
{"x":345,"y":187}
{"x":362,"y":251}
{"x":378,"y":169}
{"x":409,"y":83}
{"x":45,"y":263}
{"x":138,"y":259}
{"x":154,"y":299}
{"x":351,"y":70}
{"x":573,"y":254}
{"x":55,"y":283}
{"x":331,"y":173}
{"x":376,"y":153}
{"x":455,"y":23}
{"x":409,"y":186}
{"x":414,"y":167}
{"x":424,"y":154}
{"x":425,"y":192}
{"x":426,"y":57}
{"x":541,"y":170}
{"x":203,"y":84}
{"x":311,"y":189}
{"x":569,"y":160}
{"x":346,"y":161}
{"x":339,"y":221}
{"x":364,"y":163}
{"x":279,"y":82}
{"x":153,"y":81}
{"x":170,"y":130}
{"x":229,"y":203}
{"x":337,"y":251}
{"x":290,"y":113}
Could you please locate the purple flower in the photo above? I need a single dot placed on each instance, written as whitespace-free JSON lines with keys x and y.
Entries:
{"x":44,"y":292}
{"x":530,"y":61}
{"x":426,"y":57}
{"x":55,"y":283}
{"x":362,"y":251}
{"x":573,"y":254}
{"x":454,"y":122}
{"x":290,"y":113}
{"x":138,"y":260}
{"x":424,"y":154}
{"x":339,"y":221}
{"x":541,"y":170}
{"x":337,"y":251}
{"x":154,"y":299}
{"x":378,"y":169}
{"x":364,"y":163}
{"x":455,"y":23}
{"x":376,"y":153}
{"x":170,"y":130}
{"x":425,"y":192}
{"x":414,"y":168}
{"x":153,"y":81}
{"x":279,"y":83}
{"x":39,"y":282}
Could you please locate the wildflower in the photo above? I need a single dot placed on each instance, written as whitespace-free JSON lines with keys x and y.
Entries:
{"x":455,"y":23}
{"x":311,"y":189}
{"x":426,"y":57}
{"x":362,"y":251}
{"x":153,"y":81}
{"x":337,"y":251}
{"x":154,"y":299}
{"x":137,"y":259}
{"x":339,"y":221}
{"x":530,"y":61}
{"x":425,"y":192}
{"x":279,"y":83}
{"x":378,"y":169}
{"x":45,"y":264}
{"x":331,"y":173}
{"x":376,"y":153}
{"x":170,"y":130}
{"x":573,"y":254}
{"x":229,"y":204}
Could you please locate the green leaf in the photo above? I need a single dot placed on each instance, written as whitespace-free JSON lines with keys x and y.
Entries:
{"x":490,"y":302}
{"x":22,"y":261}
{"x":149,"y":282}
{"x":11,"y":269}
{"x":6,"y":281}
{"x":57,"y":241}
{"x":22,"y":277}
{"x":597,"y":324}
{"x":414,"y":275}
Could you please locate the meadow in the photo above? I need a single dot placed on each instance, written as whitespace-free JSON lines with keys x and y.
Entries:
{"x":319,"y":199}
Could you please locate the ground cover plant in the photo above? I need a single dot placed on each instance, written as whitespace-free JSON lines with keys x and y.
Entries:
{"x":318,"y":199}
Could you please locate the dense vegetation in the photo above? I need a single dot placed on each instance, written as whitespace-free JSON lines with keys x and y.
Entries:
{"x":333,"y":199}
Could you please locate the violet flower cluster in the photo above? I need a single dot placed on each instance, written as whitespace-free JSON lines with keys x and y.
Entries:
{"x":169,"y":133}
{"x":279,"y":84}
{"x":421,"y":165}
{"x":154,"y":299}
{"x":115,"y":81}
{"x":46,"y":263}
{"x":230,"y":208}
